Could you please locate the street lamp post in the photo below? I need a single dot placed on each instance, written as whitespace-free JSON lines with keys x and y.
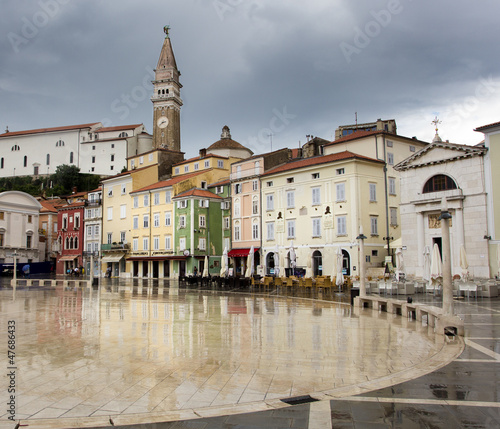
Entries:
{"x":445,"y":233}
{"x":362,"y":284}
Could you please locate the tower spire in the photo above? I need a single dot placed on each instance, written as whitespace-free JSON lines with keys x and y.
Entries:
{"x":166,"y":98}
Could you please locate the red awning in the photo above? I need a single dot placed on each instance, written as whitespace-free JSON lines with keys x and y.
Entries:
{"x":240,"y":252}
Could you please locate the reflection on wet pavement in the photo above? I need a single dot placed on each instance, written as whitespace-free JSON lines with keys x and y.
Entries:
{"x":127,"y":350}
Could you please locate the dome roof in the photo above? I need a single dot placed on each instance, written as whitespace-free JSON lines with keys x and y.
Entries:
{"x":226,"y":142}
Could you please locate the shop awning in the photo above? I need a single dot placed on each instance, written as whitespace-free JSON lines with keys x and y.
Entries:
{"x":112,"y":258}
{"x":68,"y":258}
{"x":240,"y":253}
{"x":395,"y":243}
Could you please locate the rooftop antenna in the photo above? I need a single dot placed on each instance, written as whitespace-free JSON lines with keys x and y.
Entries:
{"x":270,"y":135}
{"x":356,"y":119}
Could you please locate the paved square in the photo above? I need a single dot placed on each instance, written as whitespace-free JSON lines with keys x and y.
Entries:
{"x":140,"y":354}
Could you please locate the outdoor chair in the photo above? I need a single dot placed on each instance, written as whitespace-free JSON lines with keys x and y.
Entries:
{"x":327,"y":283}
{"x":268,"y":282}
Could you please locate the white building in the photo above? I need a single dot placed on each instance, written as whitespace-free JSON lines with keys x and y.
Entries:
{"x":19,"y":223}
{"x":93,"y":227}
{"x":451,"y":171}
{"x":91,"y":147}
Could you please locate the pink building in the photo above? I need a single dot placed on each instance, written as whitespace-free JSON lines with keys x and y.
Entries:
{"x":246,"y":205}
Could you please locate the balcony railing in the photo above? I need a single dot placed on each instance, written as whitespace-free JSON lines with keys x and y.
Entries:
{"x":115,"y":246}
{"x":93,"y":203}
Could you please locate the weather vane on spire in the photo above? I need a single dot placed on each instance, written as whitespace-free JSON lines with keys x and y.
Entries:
{"x":166,"y":29}
{"x":436,"y":122}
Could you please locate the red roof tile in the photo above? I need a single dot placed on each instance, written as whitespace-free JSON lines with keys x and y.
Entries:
{"x":47,"y":130}
{"x":51,"y":205}
{"x":73,"y":205}
{"x":169,"y":182}
{"x":195,"y":192}
{"x":220,"y":183}
{"x":361,"y":134}
{"x":119,"y":128}
{"x":484,"y":127}
{"x":317,"y":160}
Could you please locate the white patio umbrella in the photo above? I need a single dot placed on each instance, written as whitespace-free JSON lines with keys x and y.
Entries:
{"x":463,"y":263}
{"x":436,"y":265}
{"x":276,"y":257}
{"x":205,"y":267}
{"x":309,"y":271}
{"x":400,"y":266}
{"x":224,"y":264}
{"x":293,"y":256}
{"x":427,"y":264}
{"x":250,"y":263}
{"x":339,"y":267}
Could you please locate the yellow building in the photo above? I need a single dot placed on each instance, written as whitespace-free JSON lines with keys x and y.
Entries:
{"x":317,"y":205}
{"x":391,"y":149}
{"x":116,"y":220}
{"x":492,"y":188}
{"x":152,"y":252}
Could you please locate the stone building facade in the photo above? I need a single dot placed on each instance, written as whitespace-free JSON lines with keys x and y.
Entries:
{"x":453,"y":172}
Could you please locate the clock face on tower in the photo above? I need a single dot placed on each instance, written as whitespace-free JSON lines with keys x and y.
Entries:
{"x":162,"y":122}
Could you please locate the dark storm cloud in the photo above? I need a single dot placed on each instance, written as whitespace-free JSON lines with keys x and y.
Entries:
{"x":278,"y":67}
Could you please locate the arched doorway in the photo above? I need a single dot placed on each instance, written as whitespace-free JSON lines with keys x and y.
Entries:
{"x":346,"y":263}
{"x":270,"y":263}
{"x":317,"y":263}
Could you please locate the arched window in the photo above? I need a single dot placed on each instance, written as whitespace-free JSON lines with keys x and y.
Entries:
{"x":25,"y":160}
{"x":67,"y":243}
{"x":59,"y":143}
{"x":15,"y":148}
{"x":71,"y":243}
{"x":71,"y":157}
{"x":75,"y":243}
{"x":123,"y":134}
{"x":438,"y":183}
{"x":48,"y":159}
{"x":257,"y":167}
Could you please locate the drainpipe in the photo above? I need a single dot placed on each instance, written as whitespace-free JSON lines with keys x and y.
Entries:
{"x":388,"y":238}
{"x":208,"y":235}
{"x":150,"y":269}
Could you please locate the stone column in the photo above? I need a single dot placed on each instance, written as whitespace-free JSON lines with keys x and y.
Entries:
{"x":447,"y":284}
{"x":362,"y":261}
{"x":420,"y":242}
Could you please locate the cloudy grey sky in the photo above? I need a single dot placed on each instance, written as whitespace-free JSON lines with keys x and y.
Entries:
{"x":282,"y":67}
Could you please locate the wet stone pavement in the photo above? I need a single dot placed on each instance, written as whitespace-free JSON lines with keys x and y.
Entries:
{"x":459,"y":393}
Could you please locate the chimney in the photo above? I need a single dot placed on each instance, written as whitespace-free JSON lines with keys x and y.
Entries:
{"x":73,"y":190}
{"x":7,"y":129}
{"x":203,"y":153}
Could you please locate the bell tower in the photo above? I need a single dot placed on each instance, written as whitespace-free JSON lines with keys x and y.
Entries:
{"x":166,"y":99}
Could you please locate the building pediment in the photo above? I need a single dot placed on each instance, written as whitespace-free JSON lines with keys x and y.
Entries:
{"x":439,"y":153}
